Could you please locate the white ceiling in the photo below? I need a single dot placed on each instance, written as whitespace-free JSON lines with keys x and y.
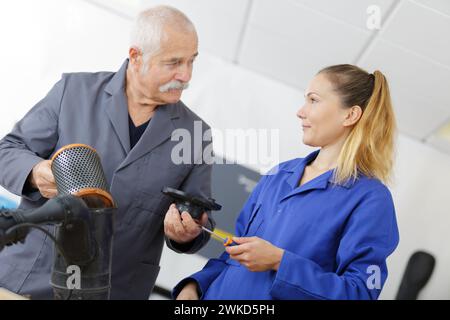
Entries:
{"x":290,"y":40}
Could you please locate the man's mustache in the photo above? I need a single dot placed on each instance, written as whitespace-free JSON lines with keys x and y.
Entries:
{"x":174,"y":85}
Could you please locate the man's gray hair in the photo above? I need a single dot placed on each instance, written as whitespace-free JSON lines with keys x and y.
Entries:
{"x":148,"y":30}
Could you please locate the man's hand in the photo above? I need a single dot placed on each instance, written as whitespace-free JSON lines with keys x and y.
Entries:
{"x":42,"y":178}
{"x":182,"y":228}
{"x":256,"y":254}
{"x":189,"y":292}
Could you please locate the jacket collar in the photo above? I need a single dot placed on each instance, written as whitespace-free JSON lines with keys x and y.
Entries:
{"x":321,"y":182}
{"x":117,"y":108}
{"x":158,"y":130}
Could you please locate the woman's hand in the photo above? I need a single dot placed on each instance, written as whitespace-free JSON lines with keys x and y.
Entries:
{"x":256,"y":254}
{"x":189,"y":292}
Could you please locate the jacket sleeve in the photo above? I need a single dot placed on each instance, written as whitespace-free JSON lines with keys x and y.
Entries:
{"x":214,"y":267}
{"x":369,"y":237}
{"x":32,"y":140}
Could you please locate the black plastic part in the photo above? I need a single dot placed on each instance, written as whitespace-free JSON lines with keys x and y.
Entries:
{"x":85,"y":237}
{"x":54,"y":211}
{"x":194,"y":205}
{"x":88,"y":245}
{"x":417,"y":273}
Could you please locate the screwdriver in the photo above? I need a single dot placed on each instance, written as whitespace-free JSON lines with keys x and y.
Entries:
{"x":226,"y":241}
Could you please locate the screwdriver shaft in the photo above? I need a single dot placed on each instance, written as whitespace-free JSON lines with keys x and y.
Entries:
{"x":213,"y":233}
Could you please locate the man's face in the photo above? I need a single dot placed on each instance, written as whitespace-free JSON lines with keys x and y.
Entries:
{"x":171,"y":69}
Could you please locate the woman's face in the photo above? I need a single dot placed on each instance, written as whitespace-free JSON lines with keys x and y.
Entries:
{"x":324,"y":119}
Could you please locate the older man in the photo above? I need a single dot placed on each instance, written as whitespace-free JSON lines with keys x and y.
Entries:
{"x":128,"y":117}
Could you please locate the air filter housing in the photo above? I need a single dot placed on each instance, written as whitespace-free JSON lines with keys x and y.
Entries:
{"x":78,"y":171}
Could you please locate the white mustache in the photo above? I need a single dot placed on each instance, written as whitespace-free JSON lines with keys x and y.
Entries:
{"x":175,"y":84}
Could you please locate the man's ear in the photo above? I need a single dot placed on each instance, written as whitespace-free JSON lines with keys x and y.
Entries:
{"x":353,"y":115}
{"x":135,"y":57}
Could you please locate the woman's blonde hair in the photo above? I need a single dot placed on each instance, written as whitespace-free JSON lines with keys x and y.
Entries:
{"x":369,"y":149}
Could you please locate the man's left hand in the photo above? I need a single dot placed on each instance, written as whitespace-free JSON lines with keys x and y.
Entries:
{"x":182,"y":228}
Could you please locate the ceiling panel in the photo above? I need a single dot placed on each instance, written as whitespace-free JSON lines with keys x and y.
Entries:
{"x":353,"y":12}
{"x":290,"y":40}
{"x":123,"y":8}
{"x":219,"y":23}
{"x":419,"y":87}
{"x":439,"y":143}
{"x":420,"y":30}
{"x":415,"y":117}
{"x":291,"y":43}
{"x":442,"y":6}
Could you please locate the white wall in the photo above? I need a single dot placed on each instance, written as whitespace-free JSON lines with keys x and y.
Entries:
{"x":52,"y":37}
{"x":421,"y":196}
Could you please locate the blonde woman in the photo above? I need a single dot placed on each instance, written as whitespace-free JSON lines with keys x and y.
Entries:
{"x":319,"y":227}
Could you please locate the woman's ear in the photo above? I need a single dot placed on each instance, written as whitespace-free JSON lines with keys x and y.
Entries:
{"x":353,"y":115}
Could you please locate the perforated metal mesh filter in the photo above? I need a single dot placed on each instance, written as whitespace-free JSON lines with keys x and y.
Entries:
{"x":78,"y":170}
